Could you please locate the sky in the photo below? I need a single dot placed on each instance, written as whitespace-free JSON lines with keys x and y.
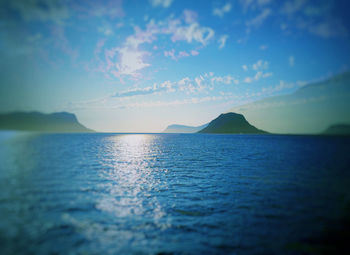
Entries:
{"x":138,"y":66}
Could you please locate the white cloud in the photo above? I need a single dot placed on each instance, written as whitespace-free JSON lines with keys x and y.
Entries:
{"x":260,"y":65}
{"x":193,"y":100}
{"x":328,"y":28}
{"x":162,"y":3}
{"x":263,"y":2}
{"x":190,"y":86}
{"x":257,"y":76}
{"x":228,"y":79}
{"x":198,"y":81}
{"x":291,"y":7}
{"x":248,"y":79}
{"x":263,"y":47}
{"x":172,"y":54}
{"x":220,"y":12}
{"x":190,"y":16}
{"x":54,"y":11}
{"x":222,"y":41}
{"x":166,"y":86}
{"x":131,"y":61}
{"x":183,"y":81}
{"x":194,"y":52}
{"x":106,"y":30}
{"x":265,"y":75}
{"x":258,"y":20}
{"x":283,"y":26}
{"x":183,"y":54}
{"x":319,"y":20}
{"x":281,"y":86}
{"x":254,"y":4}
{"x":291,"y":61}
{"x":192,"y":32}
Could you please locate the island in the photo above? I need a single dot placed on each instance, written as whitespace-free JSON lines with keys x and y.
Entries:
{"x":175,"y":128}
{"x":337,"y":129}
{"x":231,"y":123}
{"x":60,"y":122}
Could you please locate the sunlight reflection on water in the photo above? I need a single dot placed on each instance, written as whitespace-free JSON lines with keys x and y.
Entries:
{"x":130,"y":178}
{"x":129,"y":186}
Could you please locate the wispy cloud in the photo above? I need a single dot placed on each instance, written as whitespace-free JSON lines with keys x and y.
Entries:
{"x":61,"y":42}
{"x":328,"y":28}
{"x":100,"y":9}
{"x":129,"y":59}
{"x":190,"y":16}
{"x":319,"y":20}
{"x":193,"y":100}
{"x":222,"y":41}
{"x":260,"y":65}
{"x":291,"y":7}
{"x":194,"y":53}
{"x":165,"y":86}
{"x":54,"y":11}
{"x":282,"y":85}
{"x":182,"y":54}
{"x":228,"y":79}
{"x":254,"y":4}
{"x":291,"y":61}
{"x":162,"y":3}
{"x":192,"y":32}
{"x":259,"y":19}
{"x":191,"y":86}
{"x":257,"y":77}
{"x":220,"y":12}
{"x":187,"y":85}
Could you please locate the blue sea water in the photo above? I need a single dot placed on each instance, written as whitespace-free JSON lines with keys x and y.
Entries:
{"x":171,"y":193}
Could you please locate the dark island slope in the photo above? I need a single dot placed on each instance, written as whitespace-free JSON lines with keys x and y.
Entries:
{"x":35,"y":121}
{"x":231,"y":123}
{"x":338,"y":129}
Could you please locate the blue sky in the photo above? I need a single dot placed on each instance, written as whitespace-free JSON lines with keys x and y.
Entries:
{"x":138,"y":66}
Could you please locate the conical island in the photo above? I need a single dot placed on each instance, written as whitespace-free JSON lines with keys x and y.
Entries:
{"x":231,"y":123}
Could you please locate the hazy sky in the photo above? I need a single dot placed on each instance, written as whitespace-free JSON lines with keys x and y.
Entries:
{"x":142,"y":65}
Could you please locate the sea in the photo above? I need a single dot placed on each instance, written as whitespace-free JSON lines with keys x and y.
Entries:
{"x":104,"y":193}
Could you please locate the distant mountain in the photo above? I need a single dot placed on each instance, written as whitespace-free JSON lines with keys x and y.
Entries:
{"x":338,"y":129}
{"x":309,"y":110}
{"x":36,"y":121}
{"x":183,"y":129}
{"x":231,"y":123}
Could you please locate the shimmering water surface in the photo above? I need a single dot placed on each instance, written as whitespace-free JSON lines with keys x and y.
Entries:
{"x":171,"y":193}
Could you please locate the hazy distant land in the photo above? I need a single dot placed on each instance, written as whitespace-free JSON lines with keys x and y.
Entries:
{"x":338,"y":129}
{"x":36,"y":121}
{"x":309,"y":110}
{"x":175,"y":128}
